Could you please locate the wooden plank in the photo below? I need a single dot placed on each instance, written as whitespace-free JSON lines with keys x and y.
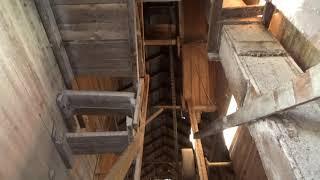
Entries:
{"x":160,"y":42}
{"x":214,"y":27}
{"x":93,"y":102}
{"x":161,"y":0}
{"x":121,"y":167}
{"x":100,"y":57}
{"x":301,"y":90}
{"x":242,"y":11}
{"x":97,"y":142}
{"x":86,"y":51}
{"x":76,"y":2}
{"x":94,"y":31}
{"x":99,"y":13}
{"x":51,"y":28}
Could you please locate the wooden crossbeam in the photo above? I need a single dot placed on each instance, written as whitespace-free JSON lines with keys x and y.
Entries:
{"x":303,"y":89}
{"x":97,"y":142}
{"x":93,"y":102}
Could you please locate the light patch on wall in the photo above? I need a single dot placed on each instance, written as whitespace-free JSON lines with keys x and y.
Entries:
{"x":191,"y":139}
{"x":228,"y":134}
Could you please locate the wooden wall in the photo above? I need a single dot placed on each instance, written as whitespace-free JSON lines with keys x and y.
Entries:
{"x":245,"y":157}
{"x":30,"y":80}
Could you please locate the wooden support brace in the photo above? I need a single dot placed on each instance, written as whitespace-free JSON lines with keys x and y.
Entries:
{"x":267,"y":13}
{"x":93,"y":102}
{"x":303,"y":89}
{"x":64,"y":150}
{"x":154,"y":115}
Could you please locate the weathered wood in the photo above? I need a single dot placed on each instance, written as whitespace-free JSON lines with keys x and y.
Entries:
{"x":89,"y":13}
{"x":110,"y":58}
{"x":167,"y":107}
{"x":162,"y":42}
{"x":161,"y":0}
{"x":120,"y":168}
{"x":77,"y":2}
{"x":137,"y":110}
{"x":234,"y":21}
{"x":51,"y":28}
{"x":219,"y":164}
{"x":94,"y":31}
{"x":64,"y":150}
{"x":97,"y":142}
{"x":301,"y":90}
{"x":242,"y":11}
{"x":93,"y":102}
{"x":288,"y":135}
{"x":214,"y":26}
{"x":267,"y":13}
{"x":129,"y":123}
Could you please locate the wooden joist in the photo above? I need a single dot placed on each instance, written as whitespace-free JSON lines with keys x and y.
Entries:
{"x":93,"y":102}
{"x":301,"y":90}
{"x":154,"y":115}
{"x":51,"y":28}
{"x":97,"y":142}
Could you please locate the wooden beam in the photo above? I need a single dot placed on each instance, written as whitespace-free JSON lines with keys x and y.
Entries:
{"x":218,"y":164}
{"x":121,"y":167}
{"x":167,"y":107}
{"x":97,"y":142}
{"x":201,"y":162}
{"x":214,"y":26}
{"x":242,"y":11}
{"x":73,"y":102}
{"x":154,"y":115}
{"x":160,"y":42}
{"x":267,"y":13}
{"x":303,"y":89}
{"x":52,"y":30}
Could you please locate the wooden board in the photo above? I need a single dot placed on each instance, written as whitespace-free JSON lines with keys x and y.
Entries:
{"x":94,"y":31}
{"x":196,"y":75}
{"x":98,"y":13}
{"x":97,"y":142}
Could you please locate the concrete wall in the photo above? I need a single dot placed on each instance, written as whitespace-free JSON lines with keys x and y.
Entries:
{"x":30,"y":80}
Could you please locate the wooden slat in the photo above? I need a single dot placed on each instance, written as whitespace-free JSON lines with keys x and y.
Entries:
{"x":301,"y":90}
{"x":100,"y":57}
{"x":75,"y":2}
{"x":102,"y":13}
{"x":51,"y":28}
{"x":154,"y":115}
{"x":97,"y":142}
{"x":242,"y":11}
{"x":94,"y":31}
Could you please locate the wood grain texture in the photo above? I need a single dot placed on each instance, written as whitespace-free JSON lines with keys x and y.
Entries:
{"x":30,"y":80}
{"x":97,"y":142}
{"x":103,"y":13}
